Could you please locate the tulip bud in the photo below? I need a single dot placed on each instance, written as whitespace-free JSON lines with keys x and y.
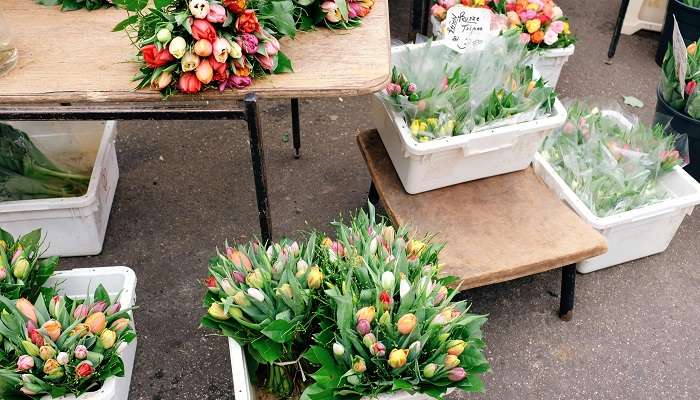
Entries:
{"x":189,"y":62}
{"x":96,"y":322}
{"x":235,"y":312}
{"x":18,"y":253}
{"x":46,"y":352}
{"x":199,"y":8}
{"x":353,"y":380}
{"x":406,"y":324}
{"x":378,"y":349}
{"x":366,"y":313}
{"x":414,"y":349}
{"x":451,"y":361}
{"x":359,"y":365}
{"x":80,"y":312}
{"x":388,"y":234}
{"x":204,"y":72}
{"x":238,"y":276}
{"x":369,"y":339}
{"x":100,"y":306}
{"x":363,"y":327}
{"x":164,"y":36}
{"x":27,"y":309}
{"x":227,"y":287}
{"x":55,"y":306}
{"x":388,"y":281}
{"x":457,"y":374}
{"x":80,"y":352}
{"x":63,"y":358}
{"x":385,"y":320}
{"x":415,"y":248}
{"x":21,"y":268}
{"x":222,"y":48}
{"x":163,"y":81}
{"x":285,"y":290}
{"x":442,"y":318}
{"x":314,"y":278}
{"x":203,"y":48}
{"x":429,"y":370}
{"x":440,"y":296}
{"x":80,"y":330}
{"x":397,"y":358}
{"x":385,"y":299}
{"x":36,"y":338}
{"x":255,"y":279}
{"x":302,"y":266}
{"x":84,"y":369}
{"x":3,"y":245}
{"x":692,"y":48}
{"x":456,"y":347}
{"x":338,"y":349}
{"x":373,"y":245}
{"x":216,"y":311}
{"x":108,"y":338}
{"x":52,"y":329}
{"x":404,"y":286}
{"x":120,"y":324}
{"x":3,"y":273}
{"x":177,"y":47}
{"x":240,"y":299}
{"x":113,"y":309}
{"x":237,"y":257}
{"x":294,"y":249}
{"x":25,"y":363}
{"x":256,"y":294}
{"x":53,"y":368}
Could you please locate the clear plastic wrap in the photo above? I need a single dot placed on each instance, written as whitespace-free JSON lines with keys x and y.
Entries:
{"x":610,"y":159}
{"x":444,"y":93}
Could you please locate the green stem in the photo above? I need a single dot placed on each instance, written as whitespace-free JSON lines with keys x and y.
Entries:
{"x":58,"y":174}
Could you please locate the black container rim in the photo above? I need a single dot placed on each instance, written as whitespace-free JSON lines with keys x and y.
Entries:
{"x":676,"y":113}
{"x":688,"y":8}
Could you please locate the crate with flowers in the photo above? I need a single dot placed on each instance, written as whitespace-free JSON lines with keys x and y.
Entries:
{"x":542,"y":24}
{"x":363,"y":316}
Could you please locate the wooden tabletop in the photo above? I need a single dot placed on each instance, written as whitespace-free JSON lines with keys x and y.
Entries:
{"x":496,"y":229}
{"x":74,"y":57}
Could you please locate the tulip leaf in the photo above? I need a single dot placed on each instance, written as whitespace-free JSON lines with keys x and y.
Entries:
{"x":279,"y":330}
{"x":102,"y":295}
{"x":126,"y":22}
{"x":267,"y":349}
{"x":160,"y":4}
{"x":284,"y":64}
{"x":400,"y":384}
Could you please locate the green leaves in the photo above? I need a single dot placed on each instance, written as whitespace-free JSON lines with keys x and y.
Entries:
{"x":284,"y":64}
{"x":280,"y":15}
{"x":280,"y":331}
{"x":131,"y":5}
{"x":267,"y":349}
{"x":132,"y":19}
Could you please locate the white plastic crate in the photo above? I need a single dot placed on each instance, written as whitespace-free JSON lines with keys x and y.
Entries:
{"x":73,"y":226}
{"x":76,"y":283}
{"x":244,"y":390}
{"x":550,"y":62}
{"x":632,"y":234}
{"x":645,"y":14}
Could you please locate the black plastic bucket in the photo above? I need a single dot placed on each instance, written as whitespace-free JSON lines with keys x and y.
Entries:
{"x":682,"y":123}
{"x":688,"y":22}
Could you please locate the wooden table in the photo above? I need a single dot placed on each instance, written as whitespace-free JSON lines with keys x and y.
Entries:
{"x":496,"y":229}
{"x":71,"y":66}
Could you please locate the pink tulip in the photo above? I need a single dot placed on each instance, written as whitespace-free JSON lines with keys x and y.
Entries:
{"x":27,"y":309}
{"x":80,"y":312}
{"x":363,"y":327}
{"x":248,"y":42}
{"x":239,"y":277}
{"x":557,"y":26}
{"x":457,"y":374}
{"x":113,"y":309}
{"x":266,"y":62}
{"x":25,"y":363}
{"x":272,"y":46}
{"x":100,"y":306}
{"x":217,"y":13}
{"x":81,"y":352}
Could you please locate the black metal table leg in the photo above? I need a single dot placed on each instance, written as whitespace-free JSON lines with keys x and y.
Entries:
{"x":568,"y":284}
{"x":259,"y":172}
{"x":373,"y":195}
{"x":618,"y":28}
{"x":419,"y":16}
{"x":296,"y":131}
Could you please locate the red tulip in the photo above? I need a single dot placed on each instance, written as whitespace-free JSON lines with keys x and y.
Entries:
{"x":155,"y":58}
{"x":188,"y":83}
{"x":84,"y":369}
{"x":36,"y":337}
{"x":202,"y":29}
{"x":690,"y":87}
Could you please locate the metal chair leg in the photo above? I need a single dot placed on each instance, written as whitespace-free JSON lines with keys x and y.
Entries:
{"x":568,"y":284}
{"x":296,"y":130}
{"x":618,"y":29}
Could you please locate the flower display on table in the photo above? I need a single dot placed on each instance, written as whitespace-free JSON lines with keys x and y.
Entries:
{"x":188,"y":46}
{"x":612,"y":163}
{"x":62,"y":346}
{"x":686,"y":99}
{"x":359,"y":315}
{"x":22,"y":273}
{"x":72,"y":5}
{"x":542,"y":24}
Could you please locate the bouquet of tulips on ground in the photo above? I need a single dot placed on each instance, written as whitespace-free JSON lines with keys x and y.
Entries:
{"x":367,"y":312}
{"x":62,"y":346}
{"x":685,"y":99}
{"x":22,"y":274}
{"x":442,"y":93}
{"x":264,"y":299}
{"x":188,"y":46}
{"x":72,"y":5}
{"x":611,"y":162}
{"x":541,"y":23}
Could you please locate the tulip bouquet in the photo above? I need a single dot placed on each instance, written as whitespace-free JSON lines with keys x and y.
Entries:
{"x":336,"y":14}
{"x":188,"y":46}
{"x":611,"y":163}
{"x":63,"y":346}
{"x":389,"y":324}
{"x":263,"y":298}
{"x":22,"y":274}
{"x":72,"y":5}
{"x":441,"y":93}
{"x":687,"y":99}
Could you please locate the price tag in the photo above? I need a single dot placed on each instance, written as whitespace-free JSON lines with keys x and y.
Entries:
{"x":467,"y":28}
{"x":680,"y":54}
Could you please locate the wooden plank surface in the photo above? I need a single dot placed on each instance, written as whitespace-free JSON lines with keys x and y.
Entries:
{"x":496,"y":229}
{"x":74,"y":57}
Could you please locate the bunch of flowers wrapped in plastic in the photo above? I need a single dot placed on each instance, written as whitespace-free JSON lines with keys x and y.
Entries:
{"x":612,"y":162}
{"x":442,"y":93}
{"x":189,"y":45}
{"x":62,"y":346}
{"x":22,"y":274}
{"x":72,"y":5}
{"x":336,"y":14}
{"x":541,"y":23}
{"x":373,"y":316}
{"x":687,"y":98}
{"x":263,"y":298}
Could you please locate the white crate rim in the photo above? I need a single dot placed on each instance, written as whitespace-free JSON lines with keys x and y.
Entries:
{"x":86,"y":200}
{"x":650,"y":211}
{"x":126,"y":299}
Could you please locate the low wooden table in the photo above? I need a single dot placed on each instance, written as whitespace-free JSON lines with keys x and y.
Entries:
{"x":496,"y":229}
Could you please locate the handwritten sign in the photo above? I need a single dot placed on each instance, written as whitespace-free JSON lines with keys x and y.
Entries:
{"x":467,"y":28}
{"x":680,"y":54}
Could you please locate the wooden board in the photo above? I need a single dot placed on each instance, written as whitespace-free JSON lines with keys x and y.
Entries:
{"x":496,"y":229}
{"x":74,"y":57}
